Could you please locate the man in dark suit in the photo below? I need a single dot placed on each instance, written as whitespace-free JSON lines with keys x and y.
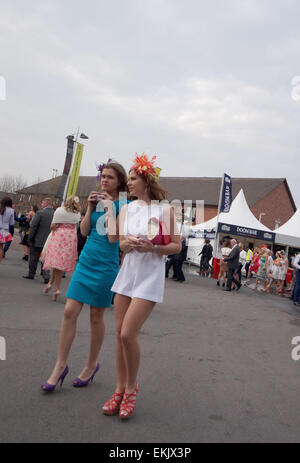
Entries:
{"x":171,"y":262}
{"x":206,"y":254}
{"x":179,"y":260}
{"x":39,"y":231}
{"x":232,"y":263}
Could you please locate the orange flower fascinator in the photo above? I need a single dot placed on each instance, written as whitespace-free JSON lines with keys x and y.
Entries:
{"x":144,"y":166}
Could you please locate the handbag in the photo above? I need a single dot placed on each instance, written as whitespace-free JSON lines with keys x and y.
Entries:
{"x":158,"y":232}
{"x":5,"y":236}
{"x":44,"y":250}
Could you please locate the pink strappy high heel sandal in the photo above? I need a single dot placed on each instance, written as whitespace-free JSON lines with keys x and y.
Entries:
{"x":128,"y":404}
{"x":112,"y":406}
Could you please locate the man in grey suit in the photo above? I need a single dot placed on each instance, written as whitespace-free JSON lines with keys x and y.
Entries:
{"x":232,"y":263}
{"x":39,"y":231}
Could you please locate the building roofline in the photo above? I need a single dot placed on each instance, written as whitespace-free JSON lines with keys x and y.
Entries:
{"x":290,"y":195}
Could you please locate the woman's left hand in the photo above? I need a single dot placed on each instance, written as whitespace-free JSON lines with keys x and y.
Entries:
{"x":54,"y":226}
{"x":144,"y":246}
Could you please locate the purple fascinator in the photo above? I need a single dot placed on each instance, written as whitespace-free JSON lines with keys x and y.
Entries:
{"x":101,"y":167}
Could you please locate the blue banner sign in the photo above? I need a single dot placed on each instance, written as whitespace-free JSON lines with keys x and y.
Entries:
{"x":226,"y":196}
{"x":246,"y":232}
{"x":203,"y":234}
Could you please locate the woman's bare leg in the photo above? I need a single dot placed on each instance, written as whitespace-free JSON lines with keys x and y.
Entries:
{"x":67,"y":335}
{"x":265,"y":285}
{"x":97,"y":336}
{"x":269,"y":285}
{"x":136,"y":315}
{"x":220,"y":276}
{"x":282,"y":285}
{"x":121,"y":306}
{"x":1,"y":251}
{"x":57,"y":278}
{"x":51,"y":278}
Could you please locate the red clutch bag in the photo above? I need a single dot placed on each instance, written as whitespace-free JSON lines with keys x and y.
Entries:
{"x":158,"y":232}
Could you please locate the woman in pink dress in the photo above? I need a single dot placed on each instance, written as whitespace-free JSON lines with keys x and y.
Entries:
{"x":7,"y":219}
{"x":61,"y":247}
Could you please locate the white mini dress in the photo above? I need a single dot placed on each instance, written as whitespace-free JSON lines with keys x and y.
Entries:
{"x":276,"y":273}
{"x":283,"y":271}
{"x":142,"y":274}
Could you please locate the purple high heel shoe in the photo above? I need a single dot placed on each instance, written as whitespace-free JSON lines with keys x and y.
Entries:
{"x":80,"y":383}
{"x":47,"y":387}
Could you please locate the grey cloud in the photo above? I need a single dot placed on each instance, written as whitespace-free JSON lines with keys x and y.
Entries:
{"x":204,"y":85}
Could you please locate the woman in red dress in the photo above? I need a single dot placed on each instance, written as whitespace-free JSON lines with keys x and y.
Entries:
{"x":254,"y":263}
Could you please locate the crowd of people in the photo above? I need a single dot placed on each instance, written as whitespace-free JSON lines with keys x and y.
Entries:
{"x":269,"y":269}
{"x":89,"y":245}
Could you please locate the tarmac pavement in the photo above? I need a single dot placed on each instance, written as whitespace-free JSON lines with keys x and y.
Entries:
{"x":215,"y":367}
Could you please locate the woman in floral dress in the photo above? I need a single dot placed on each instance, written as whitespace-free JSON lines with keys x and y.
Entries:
{"x":262,"y":269}
{"x":61,"y":253}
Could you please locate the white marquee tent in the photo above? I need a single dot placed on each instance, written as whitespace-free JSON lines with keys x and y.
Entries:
{"x":239,"y":214}
{"x":289,"y":233}
{"x":238,"y":221}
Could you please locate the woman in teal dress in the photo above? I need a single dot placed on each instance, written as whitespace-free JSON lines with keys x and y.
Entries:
{"x":94,"y":275}
{"x":262,"y":270}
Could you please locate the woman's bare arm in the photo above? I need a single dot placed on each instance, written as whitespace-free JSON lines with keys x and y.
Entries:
{"x":54,"y":226}
{"x":85,"y":225}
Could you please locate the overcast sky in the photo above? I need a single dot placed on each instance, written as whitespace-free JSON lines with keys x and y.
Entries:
{"x":205,"y":86}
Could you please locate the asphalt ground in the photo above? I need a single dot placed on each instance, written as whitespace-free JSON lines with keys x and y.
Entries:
{"x":215,"y":367}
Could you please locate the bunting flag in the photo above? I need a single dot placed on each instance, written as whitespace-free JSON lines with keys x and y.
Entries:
{"x":73,"y":183}
{"x":67,"y":167}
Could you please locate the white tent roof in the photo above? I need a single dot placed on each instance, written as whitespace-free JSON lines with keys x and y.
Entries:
{"x":209,"y":225}
{"x":289,"y":233}
{"x":239,"y":214}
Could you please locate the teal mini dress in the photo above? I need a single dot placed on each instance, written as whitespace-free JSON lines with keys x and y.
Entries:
{"x":98,"y":265}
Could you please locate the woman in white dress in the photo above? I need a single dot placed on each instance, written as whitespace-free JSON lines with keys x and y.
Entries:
{"x":276,"y":271}
{"x":269,"y":272}
{"x":140,"y":282}
{"x":283,"y":271}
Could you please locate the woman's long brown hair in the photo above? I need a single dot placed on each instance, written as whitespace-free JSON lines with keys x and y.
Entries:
{"x":155,"y":190}
{"x":121,"y":173}
{"x":6,"y":202}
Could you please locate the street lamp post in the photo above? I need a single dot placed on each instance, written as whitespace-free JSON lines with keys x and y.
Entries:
{"x":260,"y":215}
{"x":277,"y":223}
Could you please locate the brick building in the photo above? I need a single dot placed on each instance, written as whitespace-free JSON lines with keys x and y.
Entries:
{"x":13,"y":196}
{"x":269,"y":199}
